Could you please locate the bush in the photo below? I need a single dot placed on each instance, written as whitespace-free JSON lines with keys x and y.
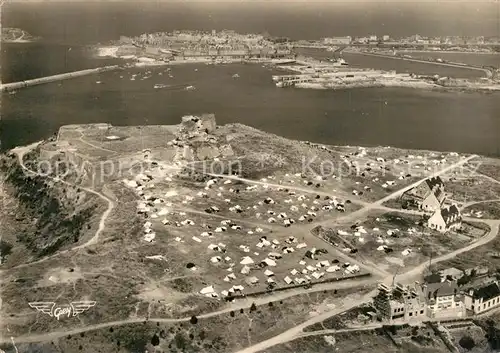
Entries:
{"x":467,"y":342}
{"x":5,"y":249}
{"x":155,"y":340}
{"x":414,"y":331}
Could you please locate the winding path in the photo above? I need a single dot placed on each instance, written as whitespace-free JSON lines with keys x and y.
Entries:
{"x":20,"y":152}
{"x":296,"y":331}
{"x":240,"y":304}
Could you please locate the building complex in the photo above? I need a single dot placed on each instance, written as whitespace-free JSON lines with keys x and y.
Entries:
{"x":435,"y":300}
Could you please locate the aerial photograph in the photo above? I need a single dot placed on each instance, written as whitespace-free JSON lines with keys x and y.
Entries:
{"x":250,"y":176}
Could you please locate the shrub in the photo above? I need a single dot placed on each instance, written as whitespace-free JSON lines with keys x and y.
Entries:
{"x":467,"y":342}
{"x":155,"y":340}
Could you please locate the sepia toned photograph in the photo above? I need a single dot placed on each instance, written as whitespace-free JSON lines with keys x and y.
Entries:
{"x":223,"y":176}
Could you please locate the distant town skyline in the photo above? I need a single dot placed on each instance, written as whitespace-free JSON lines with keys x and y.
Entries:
{"x":103,"y":20}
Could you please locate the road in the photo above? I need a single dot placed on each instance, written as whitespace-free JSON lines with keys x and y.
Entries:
{"x":472,"y":203}
{"x":296,"y":331}
{"x":406,"y":277}
{"x":366,"y":207}
{"x":239,"y":304}
{"x":334,"y":331}
{"x":411,"y":275}
{"x":378,"y":204}
{"x":288,"y":186}
{"x":487,"y":177}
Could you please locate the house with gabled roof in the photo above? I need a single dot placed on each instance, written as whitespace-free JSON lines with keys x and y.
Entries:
{"x":445,"y":219}
{"x":429,"y":195}
{"x":444,"y":300}
{"x":483,"y":298}
{"x":433,"y":201}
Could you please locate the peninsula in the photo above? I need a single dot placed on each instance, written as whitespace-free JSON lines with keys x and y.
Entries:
{"x":197,"y":46}
{"x":197,"y":230}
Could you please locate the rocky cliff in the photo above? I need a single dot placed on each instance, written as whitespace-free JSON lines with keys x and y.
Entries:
{"x":48,"y":215}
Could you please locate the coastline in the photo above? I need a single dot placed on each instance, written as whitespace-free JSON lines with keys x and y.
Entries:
{"x":448,"y":52}
{"x":142,"y":61}
{"x":395,"y":57}
{"x":376,"y":84}
{"x":397,"y":84}
{"x":369,"y":78}
{"x":10,"y":41}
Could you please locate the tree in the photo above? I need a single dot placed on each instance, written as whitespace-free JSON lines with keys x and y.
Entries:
{"x":194,"y":320}
{"x":467,"y":342}
{"x":155,"y":340}
{"x":253,"y":307}
{"x":5,"y":249}
{"x":414,"y":331}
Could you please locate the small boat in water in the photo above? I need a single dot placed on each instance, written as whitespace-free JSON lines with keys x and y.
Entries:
{"x":159,"y":85}
{"x":236,"y":76}
{"x":190,"y":88}
{"x":97,"y":82}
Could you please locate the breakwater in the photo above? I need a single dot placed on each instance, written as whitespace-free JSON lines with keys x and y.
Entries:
{"x":65,"y":76}
{"x":487,"y":71}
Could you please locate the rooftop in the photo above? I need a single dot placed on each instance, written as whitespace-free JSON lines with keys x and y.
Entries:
{"x":434,"y":182}
{"x":450,"y":214}
{"x":487,"y":292}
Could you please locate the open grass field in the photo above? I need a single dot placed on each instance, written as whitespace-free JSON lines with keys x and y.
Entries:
{"x":473,"y":188}
{"x":363,"y":341}
{"x":393,"y":240}
{"x":227,"y":332}
{"x":488,"y":210}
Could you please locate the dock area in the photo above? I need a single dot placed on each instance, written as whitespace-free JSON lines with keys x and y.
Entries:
{"x":487,"y":71}
{"x":319,"y":75}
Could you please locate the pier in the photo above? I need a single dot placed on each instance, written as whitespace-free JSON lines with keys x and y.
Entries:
{"x":486,"y":70}
{"x":6,"y":87}
{"x":291,"y":80}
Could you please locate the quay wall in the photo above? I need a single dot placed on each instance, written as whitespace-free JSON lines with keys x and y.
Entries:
{"x":37,"y":81}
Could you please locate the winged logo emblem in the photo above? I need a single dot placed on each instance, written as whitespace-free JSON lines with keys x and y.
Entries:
{"x":73,"y":309}
{"x":81,"y":306}
{"x":44,"y":307}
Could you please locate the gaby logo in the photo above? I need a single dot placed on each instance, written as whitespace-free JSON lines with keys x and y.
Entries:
{"x":73,"y":309}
